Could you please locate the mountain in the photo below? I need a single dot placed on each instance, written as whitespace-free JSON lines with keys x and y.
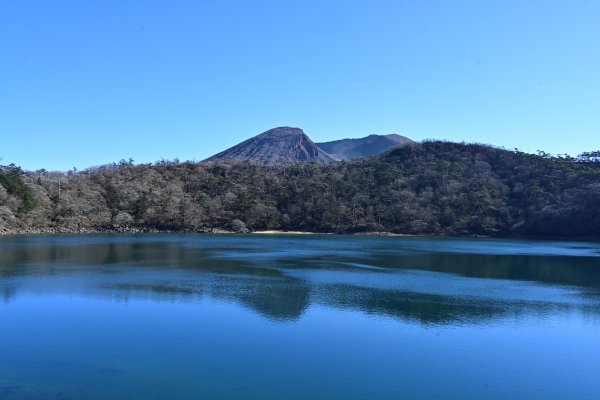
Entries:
{"x":276,"y":146}
{"x":434,"y":188}
{"x":349,"y":149}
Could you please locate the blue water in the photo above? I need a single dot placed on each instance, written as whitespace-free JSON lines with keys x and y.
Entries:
{"x":297,"y":317}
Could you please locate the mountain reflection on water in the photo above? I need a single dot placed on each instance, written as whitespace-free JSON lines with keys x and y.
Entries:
{"x":430,"y":281}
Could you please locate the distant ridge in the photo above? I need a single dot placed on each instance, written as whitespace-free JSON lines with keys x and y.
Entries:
{"x":349,"y":149}
{"x":276,"y":146}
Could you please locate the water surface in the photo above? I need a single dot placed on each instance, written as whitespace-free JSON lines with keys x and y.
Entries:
{"x":297,"y":317}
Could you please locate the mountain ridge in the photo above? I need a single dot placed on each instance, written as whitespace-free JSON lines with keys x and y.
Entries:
{"x":276,"y":146}
{"x":372,"y":145}
{"x":287,"y":144}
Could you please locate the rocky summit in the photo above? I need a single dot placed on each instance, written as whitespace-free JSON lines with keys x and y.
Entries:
{"x":274,"y":147}
{"x":372,"y":145}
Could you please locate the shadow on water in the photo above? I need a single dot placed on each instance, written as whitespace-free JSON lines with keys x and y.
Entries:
{"x":427,"y":281}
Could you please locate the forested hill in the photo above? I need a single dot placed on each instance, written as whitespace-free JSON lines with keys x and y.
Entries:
{"x":435,"y":188}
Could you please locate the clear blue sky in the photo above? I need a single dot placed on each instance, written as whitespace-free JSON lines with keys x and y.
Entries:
{"x":84,"y":83}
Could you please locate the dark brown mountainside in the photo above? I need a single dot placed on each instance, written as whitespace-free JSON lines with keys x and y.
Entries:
{"x":274,"y":147}
{"x":372,"y":145}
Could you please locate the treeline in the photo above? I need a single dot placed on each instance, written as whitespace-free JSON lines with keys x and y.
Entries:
{"x":436,"y":188}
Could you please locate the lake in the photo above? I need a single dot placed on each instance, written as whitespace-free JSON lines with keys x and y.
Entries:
{"x":297,"y":317}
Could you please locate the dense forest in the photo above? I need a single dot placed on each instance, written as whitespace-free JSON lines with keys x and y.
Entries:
{"x":432,"y":188}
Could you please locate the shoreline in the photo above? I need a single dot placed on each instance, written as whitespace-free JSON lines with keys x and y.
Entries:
{"x":272,"y":232}
{"x":131,"y":230}
{"x":141,"y":231}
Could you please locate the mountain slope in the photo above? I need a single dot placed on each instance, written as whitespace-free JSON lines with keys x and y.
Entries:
{"x":436,"y":188}
{"x":275,"y":146}
{"x":349,"y":149}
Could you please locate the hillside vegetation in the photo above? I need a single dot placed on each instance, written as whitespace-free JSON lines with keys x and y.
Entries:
{"x":437,"y":188}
